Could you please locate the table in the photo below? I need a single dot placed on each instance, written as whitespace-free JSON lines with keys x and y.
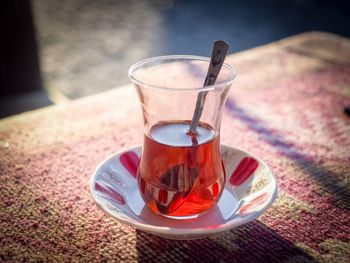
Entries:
{"x":286,"y":106}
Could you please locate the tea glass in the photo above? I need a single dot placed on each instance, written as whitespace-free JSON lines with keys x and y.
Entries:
{"x":180,"y":175}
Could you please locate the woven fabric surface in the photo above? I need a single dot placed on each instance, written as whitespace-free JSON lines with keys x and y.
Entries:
{"x":285,"y":107}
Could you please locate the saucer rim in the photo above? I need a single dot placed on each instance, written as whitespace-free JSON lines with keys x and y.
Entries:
{"x":170,"y":231}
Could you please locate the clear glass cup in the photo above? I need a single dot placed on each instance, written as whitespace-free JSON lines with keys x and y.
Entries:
{"x":180,"y":175}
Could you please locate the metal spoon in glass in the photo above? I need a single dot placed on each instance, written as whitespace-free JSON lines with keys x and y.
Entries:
{"x":217,"y":60}
{"x":182,"y":178}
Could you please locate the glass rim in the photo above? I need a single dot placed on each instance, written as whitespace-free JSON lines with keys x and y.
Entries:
{"x":144,"y":62}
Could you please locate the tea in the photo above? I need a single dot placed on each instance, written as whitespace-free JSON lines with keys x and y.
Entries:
{"x":180,"y":175}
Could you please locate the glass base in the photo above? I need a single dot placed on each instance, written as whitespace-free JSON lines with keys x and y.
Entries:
{"x":182,"y":217}
{"x":195,"y":216}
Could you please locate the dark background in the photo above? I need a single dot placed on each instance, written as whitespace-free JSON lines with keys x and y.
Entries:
{"x":52,"y":51}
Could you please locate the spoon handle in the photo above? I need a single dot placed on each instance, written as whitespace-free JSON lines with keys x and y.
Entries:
{"x":218,"y":56}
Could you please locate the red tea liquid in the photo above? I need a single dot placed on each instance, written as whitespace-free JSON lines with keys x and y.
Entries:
{"x":180,"y":175}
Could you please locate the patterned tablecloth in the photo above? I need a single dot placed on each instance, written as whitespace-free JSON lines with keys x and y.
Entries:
{"x":286,"y":107}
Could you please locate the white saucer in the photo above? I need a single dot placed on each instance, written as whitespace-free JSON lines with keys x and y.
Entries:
{"x":250,"y":189}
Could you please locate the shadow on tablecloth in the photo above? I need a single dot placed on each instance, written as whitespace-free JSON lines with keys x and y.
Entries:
{"x":254,"y":242}
{"x":326,"y":179}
